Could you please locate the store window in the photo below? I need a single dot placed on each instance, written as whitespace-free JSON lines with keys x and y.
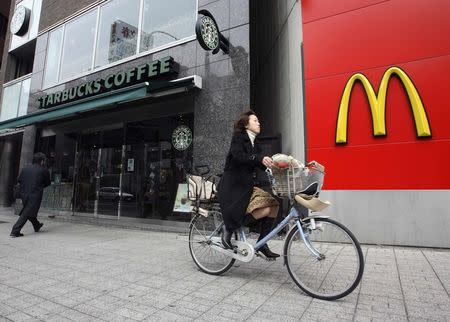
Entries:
{"x":78,"y":45}
{"x":115,"y":35}
{"x":53,"y":54}
{"x":175,"y":20}
{"x":118,"y":31}
{"x":10,"y":103}
{"x":15,"y":100}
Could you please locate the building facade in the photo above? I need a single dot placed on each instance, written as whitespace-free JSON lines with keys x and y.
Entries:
{"x":124,"y":100}
{"x":376,"y":77}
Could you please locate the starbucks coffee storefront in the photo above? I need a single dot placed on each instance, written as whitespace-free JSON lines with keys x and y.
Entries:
{"x":119,"y":145}
{"x":125,"y":98}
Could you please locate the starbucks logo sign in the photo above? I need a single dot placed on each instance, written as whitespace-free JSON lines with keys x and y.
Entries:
{"x":207,"y":33}
{"x":182,"y":137}
{"x":20,"y":21}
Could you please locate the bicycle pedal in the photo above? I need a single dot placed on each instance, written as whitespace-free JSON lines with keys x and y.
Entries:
{"x":258,"y":254}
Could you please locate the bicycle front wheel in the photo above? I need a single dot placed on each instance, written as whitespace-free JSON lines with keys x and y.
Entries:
{"x":339,"y":268}
{"x":202,"y":233}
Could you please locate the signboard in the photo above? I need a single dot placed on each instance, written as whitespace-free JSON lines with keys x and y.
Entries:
{"x":124,"y":78}
{"x":130,"y":165}
{"x":182,"y":203}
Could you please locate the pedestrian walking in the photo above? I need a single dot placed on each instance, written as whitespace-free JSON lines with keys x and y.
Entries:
{"x":32,"y":180}
{"x":244,"y":191}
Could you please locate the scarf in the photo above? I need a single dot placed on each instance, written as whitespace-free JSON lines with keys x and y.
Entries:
{"x":252,"y":136}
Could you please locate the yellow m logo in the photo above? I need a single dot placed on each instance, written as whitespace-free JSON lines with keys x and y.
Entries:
{"x":378,"y":105}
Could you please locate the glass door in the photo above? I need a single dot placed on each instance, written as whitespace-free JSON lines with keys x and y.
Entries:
{"x":99,"y":173}
{"x":153,"y":168}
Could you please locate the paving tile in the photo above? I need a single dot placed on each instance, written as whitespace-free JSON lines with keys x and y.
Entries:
{"x":88,"y":273}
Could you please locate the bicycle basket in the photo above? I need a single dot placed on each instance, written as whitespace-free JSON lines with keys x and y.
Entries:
{"x":296,"y":178}
{"x":200,"y":188}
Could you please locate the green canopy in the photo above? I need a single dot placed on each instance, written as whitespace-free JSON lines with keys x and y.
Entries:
{"x":83,"y":105}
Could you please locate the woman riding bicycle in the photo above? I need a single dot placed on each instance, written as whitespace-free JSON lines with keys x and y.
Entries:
{"x":244,"y":189}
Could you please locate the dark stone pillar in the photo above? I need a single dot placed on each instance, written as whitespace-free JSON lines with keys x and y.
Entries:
{"x":28,"y":142}
{"x":9,"y":159}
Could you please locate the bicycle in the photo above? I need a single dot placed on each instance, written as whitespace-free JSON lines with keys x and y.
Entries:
{"x":322,"y":256}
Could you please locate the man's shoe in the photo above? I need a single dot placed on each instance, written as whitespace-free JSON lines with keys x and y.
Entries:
{"x":16,"y":235}
{"x":267,"y":252}
{"x":39,"y":227}
{"x":226,"y":238}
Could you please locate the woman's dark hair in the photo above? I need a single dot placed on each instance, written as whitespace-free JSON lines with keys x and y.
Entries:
{"x":241,"y":123}
{"x":38,"y":158}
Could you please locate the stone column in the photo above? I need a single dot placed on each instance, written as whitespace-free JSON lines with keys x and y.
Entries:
{"x":28,"y":143}
{"x":9,"y":156}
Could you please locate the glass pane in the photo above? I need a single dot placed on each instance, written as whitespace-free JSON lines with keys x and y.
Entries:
{"x":78,"y":45}
{"x":153,"y":169}
{"x":118,"y":31}
{"x":24,"y":97}
{"x":10,"y":102}
{"x":167,"y":21}
{"x":53,"y":57}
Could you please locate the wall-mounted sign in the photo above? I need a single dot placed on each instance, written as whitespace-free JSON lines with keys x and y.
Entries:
{"x":182,"y":203}
{"x":377,"y":104}
{"x":142,"y":73}
{"x":130,"y":165}
{"x":208,"y":34}
{"x":182,"y":137}
{"x":20,"y":21}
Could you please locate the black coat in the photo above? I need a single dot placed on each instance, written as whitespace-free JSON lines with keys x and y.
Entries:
{"x":243,"y":171}
{"x":33,"y":179}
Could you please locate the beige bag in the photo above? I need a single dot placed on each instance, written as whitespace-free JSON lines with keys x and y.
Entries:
{"x":200,"y":188}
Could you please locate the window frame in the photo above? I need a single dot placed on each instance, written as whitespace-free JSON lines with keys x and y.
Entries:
{"x":14,"y":82}
{"x":94,"y":51}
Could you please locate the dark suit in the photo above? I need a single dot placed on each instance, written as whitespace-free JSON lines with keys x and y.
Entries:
{"x":33,"y":179}
{"x":243,"y":171}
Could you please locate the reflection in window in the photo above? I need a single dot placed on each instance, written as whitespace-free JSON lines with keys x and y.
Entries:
{"x":15,"y":100}
{"x":118,"y":31}
{"x":24,"y":97}
{"x":166,"y":21}
{"x":53,"y":54}
{"x":10,"y":102}
{"x":78,"y":45}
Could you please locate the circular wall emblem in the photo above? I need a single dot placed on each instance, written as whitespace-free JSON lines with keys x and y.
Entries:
{"x":207,"y":33}
{"x":20,"y":21}
{"x":182,"y":137}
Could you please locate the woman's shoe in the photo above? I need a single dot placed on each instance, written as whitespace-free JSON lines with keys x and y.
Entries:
{"x":267,"y":252}
{"x":226,"y":238}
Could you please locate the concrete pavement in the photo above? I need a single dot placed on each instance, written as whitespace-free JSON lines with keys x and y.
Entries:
{"x":79,"y":272}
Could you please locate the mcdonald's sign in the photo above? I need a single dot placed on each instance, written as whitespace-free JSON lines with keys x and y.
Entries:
{"x":377,"y":104}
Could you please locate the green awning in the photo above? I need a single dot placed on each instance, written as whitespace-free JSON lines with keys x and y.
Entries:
{"x":69,"y":109}
{"x":97,"y":102}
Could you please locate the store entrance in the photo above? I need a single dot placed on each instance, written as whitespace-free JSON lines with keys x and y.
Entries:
{"x":133,"y":170}
{"x":99,"y":163}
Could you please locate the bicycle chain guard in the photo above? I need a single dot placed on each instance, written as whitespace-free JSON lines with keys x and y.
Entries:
{"x":243,"y":251}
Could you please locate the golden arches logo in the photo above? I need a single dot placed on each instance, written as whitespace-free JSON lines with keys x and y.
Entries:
{"x":378,"y":104}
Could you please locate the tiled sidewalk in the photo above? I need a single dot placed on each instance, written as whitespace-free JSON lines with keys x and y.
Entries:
{"x":74,"y":272}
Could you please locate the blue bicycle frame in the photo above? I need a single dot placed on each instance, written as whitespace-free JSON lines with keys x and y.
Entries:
{"x":293,"y":214}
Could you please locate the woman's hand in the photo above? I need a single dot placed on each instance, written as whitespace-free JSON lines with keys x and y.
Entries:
{"x":267,"y":161}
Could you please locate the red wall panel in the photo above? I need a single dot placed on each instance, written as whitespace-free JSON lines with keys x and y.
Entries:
{"x":412,"y":35}
{"x":314,"y":9}
{"x":388,"y":33}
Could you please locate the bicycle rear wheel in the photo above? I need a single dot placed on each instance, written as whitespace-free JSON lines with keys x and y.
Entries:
{"x":205,"y":257}
{"x":339,"y":270}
